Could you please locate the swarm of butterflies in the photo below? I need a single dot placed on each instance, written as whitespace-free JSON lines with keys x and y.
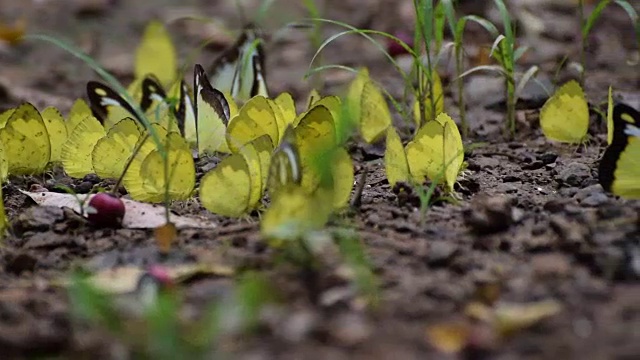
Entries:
{"x":266,"y":147}
{"x":152,"y":131}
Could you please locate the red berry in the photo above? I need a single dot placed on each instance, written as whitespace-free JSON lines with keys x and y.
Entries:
{"x":105,"y":210}
{"x":394,"y":48}
{"x":160,"y":274}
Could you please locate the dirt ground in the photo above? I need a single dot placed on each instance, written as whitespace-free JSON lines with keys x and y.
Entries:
{"x":531,"y":219}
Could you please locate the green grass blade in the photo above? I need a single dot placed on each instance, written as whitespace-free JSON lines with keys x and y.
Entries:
{"x":496,"y":44}
{"x":490,"y":68}
{"x":450,"y":14}
{"x":593,"y":17}
{"x":439,"y":24}
{"x":486,"y":24}
{"x":531,"y":72}
{"x":506,"y":19}
{"x":517,"y":54}
{"x":633,"y":15}
{"x":365,"y":34}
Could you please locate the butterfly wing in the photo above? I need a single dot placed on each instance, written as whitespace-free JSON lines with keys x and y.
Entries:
{"x":107,"y":105}
{"x":565,"y":116}
{"x":186,"y":115}
{"x":395,"y":159}
{"x":26,"y":141}
{"x":239,"y":70}
{"x":76,"y":151}
{"x":619,"y":170}
{"x":211,"y":114}
{"x":57,"y":130}
{"x":226,"y":190}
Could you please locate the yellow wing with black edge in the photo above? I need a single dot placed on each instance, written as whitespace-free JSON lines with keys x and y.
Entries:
{"x":211,"y":114}
{"x":186,"y":115}
{"x":619,"y":170}
{"x":240,"y":68}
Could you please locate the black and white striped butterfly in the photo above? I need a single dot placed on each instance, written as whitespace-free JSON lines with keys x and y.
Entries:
{"x":619,"y":170}
{"x":240,"y":69}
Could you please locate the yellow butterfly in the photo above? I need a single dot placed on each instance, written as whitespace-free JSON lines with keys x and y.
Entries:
{"x":565,"y":116}
{"x":619,"y":170}
{"x":294,"y":213}
{"x":179,"y":179}
{"x":156,"y":55}
{"x":3,"y":217}
{"x":4,"y":164}
{"x":436,"y":146}
{"x":26,"y":141}
{"x":285,"y":166}
{"x":111,"y":152}
{"x":241,"y":175}
{"x":310,"y":158}
{"x":306,"y":170}
{"x":79,"y":110}
{"x":76,"y":153}
{"x":255,"y":118}
{"x":368,"y":106}
{"x":287,"y":114}
{"x":239,"y":70}
{"x":57,"y":130}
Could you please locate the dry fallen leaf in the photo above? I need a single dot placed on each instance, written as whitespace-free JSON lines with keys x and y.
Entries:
{"x":137,"y":215}
{"x":12,"y":34}
{"x":165,"y":235}
{"x":449,"y":338}
{"x":510,"y":318}
{"x":124,"y":279}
